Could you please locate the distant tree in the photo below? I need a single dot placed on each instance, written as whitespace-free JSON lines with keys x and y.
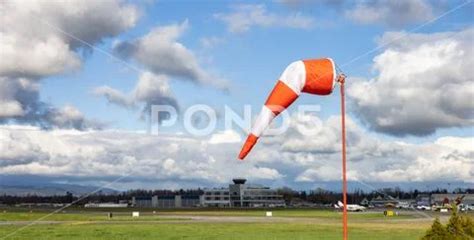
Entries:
{"x":287,"y":194}
{"x":303,"y":195}
{"x":69,"y":197}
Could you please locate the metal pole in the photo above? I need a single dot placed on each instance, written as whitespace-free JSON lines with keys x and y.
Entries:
{"x":344,"y":179}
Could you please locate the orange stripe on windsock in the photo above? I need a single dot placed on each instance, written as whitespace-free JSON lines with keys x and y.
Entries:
{"x":320,"y":76}
{"x":280,"y":98}
{"x":249,"y":143}
{"x":315,"y":76}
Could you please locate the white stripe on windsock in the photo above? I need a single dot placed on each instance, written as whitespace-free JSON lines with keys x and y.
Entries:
{"x":334,"y":73}
{"x":294,"y":76}
{"x":263,"y":120}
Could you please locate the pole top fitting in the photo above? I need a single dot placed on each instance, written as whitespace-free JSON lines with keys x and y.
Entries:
{"x":341,"y":78}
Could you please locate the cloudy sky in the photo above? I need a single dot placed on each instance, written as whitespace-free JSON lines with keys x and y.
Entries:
{"x":78,"y":78}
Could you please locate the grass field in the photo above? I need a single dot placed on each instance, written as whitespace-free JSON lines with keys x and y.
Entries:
{"x":223,"y":224}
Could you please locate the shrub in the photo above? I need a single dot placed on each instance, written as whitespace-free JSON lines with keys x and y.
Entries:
{"x":458,"y":228}
{"x":436,"y":232}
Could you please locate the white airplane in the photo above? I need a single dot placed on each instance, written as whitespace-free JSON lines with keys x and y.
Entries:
{"x":350,"y":207}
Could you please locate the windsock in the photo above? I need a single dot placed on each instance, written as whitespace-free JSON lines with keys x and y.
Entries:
{"x":314,"y":76}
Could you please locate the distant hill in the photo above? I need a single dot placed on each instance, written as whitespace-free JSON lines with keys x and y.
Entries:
{"x":52,"y":189}
{"x":24,"y":185}
{"x":47,"y":185}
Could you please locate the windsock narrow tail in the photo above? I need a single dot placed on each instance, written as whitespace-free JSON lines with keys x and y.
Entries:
{"x":283,"y":95}
{"x":248,"y":145}
{"x":315,"y":76}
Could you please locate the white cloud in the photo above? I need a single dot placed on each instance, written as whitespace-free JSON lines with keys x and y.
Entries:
{"x":162,"y":53}
{"x":318,"y":157}
{"x":263,"y":173}
{"x":391,"y":13}
{"x":17,"y":95}
{"x":114,"y":96}
{"x":305,"y":3}
{"x":325,"y":173}
{"x":24,"y":57}
{"x":210,"y":42}
{"x":32,"y":42}
{"x":227,"y":136}
{"x":19,"y":100}
{"x":245,"y":16}
{"x":39,"y":39}
{"x":151,"y":86}
{"x":423,"y":84}
{"x":70,"y":117}
{"x":15,"y":149}
{"x":115,"y":153}
{"x":444,"y":159}
{"x":10,"y":109}
{"x":179,"y":159}
{"x":150,"y":90}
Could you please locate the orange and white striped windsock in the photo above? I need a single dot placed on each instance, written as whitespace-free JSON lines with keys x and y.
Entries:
{"x":314,"y":76}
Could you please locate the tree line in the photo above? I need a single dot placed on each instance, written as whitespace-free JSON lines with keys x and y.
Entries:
{"x":323,"y":196}
{"x":318,"y":196}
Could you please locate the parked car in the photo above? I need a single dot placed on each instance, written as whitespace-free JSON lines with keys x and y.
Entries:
{"x":423,"y":207}
{"x":465,"y":207}
{"x":403,"y":205}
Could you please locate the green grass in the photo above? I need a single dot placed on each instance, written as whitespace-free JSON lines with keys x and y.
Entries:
{"x":149,"y":215}
{"x":290,"y":224}
{"x":256,"y":231}
{"x":79,"y":216}
{"x":330,"y":214}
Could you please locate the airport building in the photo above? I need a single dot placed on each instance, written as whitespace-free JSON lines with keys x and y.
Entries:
{"x":240,"y":194}
{"x":105,"y":205}
{"x":384,"y":201}
{"x":216,"y":197}
{"x":423,"y":200}
{"x":172,"y":201}
{"x":249,"y":195}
